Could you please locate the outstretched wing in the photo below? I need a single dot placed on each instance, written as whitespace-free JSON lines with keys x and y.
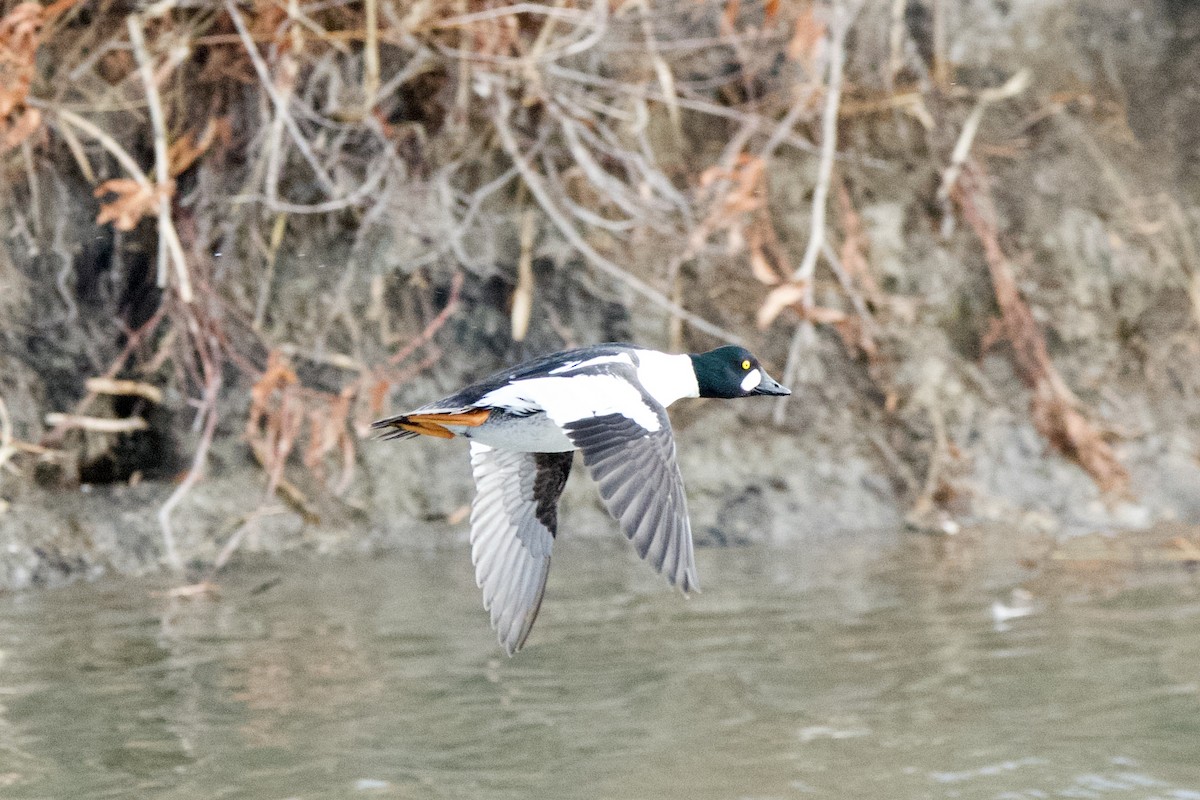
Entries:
{"x":630,"y":453}
{"x":514,"y":519}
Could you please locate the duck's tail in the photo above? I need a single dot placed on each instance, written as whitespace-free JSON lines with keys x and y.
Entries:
{"x":432,"y":423}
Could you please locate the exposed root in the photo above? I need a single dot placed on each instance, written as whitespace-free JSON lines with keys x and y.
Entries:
{"x":1056,"y":411}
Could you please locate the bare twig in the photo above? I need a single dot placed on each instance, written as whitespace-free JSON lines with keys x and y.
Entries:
{"x":537,"y":188}
{"x":367,"y":191}
{"x":896,"y":42}
{"x":371,"y":57}
{"x":666,"y":79}
{"x":784,"y":129}
{"x":842,"y":19}
{"x":7,"y":449}
{"x":134,"y":341}
{"x":66,"y":259}
{"x":35,"y":194}
{"x":107,"y":142}
{"x":690,"y":103}
{"x":522,"y":302}
{"x":235,"y":540}
{"x":512,"y":9}
{"x":856,"y":298}
{"x":97,"y":424}
{"x":199,"y":459}
{"x":803,"y":341}
{"x":962,"y":147}
{"x":829,"y":120}
{"x":434,"y":325}
{"x":76,"y":148}
{"x":280,"y":102}
{"x":941,"y":64}
{"x":125,"y":388}
{"x":169,"y":246}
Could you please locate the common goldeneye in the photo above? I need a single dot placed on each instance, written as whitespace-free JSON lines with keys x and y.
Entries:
{"x":525,"y":423}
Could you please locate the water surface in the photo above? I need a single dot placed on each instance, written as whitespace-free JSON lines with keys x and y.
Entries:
{"x":862,"y":667}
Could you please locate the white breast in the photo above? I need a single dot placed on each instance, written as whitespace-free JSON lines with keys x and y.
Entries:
{"x":667,"y":377}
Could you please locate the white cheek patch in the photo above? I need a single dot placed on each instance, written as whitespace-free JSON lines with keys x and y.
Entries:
{"x":751,"y":381}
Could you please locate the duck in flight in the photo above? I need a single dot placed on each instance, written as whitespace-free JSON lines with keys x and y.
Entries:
{"x":525,"y":423}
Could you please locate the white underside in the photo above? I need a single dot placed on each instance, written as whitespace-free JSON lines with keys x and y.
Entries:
{"x":535,"y":433}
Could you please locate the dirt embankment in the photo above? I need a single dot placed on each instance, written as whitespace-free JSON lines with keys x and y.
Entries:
{"x":966,"y":233}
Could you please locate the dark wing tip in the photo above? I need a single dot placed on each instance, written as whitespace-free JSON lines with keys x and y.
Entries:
{"x":391,"y":429}
{"x":688,"y":583}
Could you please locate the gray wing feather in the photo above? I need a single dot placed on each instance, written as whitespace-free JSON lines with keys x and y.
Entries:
{"x":513,"y":524}
{"x":641,"y":487}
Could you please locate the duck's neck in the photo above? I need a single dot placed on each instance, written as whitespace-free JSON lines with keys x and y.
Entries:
{"x":667,"y":377}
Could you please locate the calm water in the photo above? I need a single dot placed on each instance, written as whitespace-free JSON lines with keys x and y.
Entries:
{"x":869,"y":667}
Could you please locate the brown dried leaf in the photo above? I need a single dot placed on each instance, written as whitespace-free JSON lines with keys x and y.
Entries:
{"x":19,"y":41}
{"x":749,"y":189}
{"x":277,"y":376}
{"x":327,"y":427}
{"x":730,"y":14}
{"x":133,"y":201}
{"x":855,"y":242}
{"x":777,"y":300}
{"x":825,"y":316}
{"x":763,"y":261}
{"x":749,"y":184}
{"x":25,"y":125}
{"x":855,"y":336}
{"x":760,"y":267}
{"x":186,"y":149}
{"x":1074,"y":436}
{"x":806,"y":38}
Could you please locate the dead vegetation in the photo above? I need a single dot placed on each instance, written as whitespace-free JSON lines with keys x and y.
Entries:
{"x":223,"y":138}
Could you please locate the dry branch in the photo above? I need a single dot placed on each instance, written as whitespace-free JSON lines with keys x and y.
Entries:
{"x":1056,"y":410}
{"x":194,"y":473}
{"x":803,"y":276}
{"x":962,"y":147}
{"x":125,"y":388}
{"x":537,"y":188}
{"x":279,"y":101}
{"x":7,"y":448}
{"x":169,"y":247}
{"x":96,"y":424}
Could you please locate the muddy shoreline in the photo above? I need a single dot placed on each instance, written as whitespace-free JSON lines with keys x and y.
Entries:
{"x":920,"y":398}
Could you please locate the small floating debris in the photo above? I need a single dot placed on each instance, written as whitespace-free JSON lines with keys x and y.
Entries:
{"x":370,"y":785}
{"x":1020,"y":604}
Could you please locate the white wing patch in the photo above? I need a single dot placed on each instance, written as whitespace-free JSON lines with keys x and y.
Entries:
{"x":511,"y":396}
{"x":574,"y":397}
{"x":752,"y":380}
{"x":617,"y":358}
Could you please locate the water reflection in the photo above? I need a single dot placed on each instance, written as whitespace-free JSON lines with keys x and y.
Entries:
{"x":866,"y":666}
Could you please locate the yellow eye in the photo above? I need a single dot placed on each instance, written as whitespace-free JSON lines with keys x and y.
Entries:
{"x":746,"y":364}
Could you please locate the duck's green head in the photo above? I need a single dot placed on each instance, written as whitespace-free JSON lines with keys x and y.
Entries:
{"x":733,"y":371}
